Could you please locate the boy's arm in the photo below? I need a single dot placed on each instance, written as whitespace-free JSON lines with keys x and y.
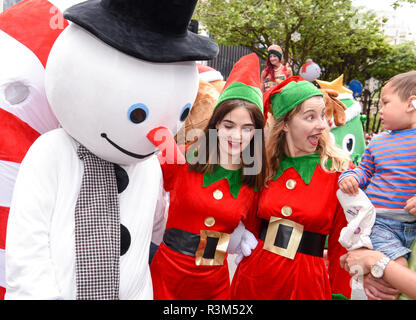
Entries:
{"x":365,"y":170}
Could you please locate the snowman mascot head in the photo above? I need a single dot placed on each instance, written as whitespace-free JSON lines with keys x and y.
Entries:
{"x":104,"y":73}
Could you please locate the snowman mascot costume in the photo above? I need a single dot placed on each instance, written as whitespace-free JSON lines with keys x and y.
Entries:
{"x":85,"y":205}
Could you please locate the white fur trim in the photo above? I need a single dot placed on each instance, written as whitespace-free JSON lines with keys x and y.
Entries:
{"x":345,"y":95}
{"x":209,"y":76}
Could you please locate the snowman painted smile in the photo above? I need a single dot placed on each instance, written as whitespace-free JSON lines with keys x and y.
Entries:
{"x":131,"y":154}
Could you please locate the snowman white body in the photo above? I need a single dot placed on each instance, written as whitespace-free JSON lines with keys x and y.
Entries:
{"x":93,"y":89}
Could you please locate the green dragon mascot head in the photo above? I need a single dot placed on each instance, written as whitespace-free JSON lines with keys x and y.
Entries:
{"x":350,"y":136}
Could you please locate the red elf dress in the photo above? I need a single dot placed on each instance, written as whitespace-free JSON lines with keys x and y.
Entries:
{"x":191,"y":262}
{"x":287,"y":264}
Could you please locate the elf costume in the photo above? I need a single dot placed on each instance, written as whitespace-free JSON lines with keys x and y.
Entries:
{"x":191,"y":262}
{"x":297,"y":211}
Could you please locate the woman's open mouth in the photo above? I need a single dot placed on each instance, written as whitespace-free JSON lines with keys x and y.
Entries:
{"x":314,"y":140}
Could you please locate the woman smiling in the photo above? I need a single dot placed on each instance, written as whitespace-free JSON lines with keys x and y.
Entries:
{"x":213,"y":193}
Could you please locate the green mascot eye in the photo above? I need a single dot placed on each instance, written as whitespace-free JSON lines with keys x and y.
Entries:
{"x":348,"y":143}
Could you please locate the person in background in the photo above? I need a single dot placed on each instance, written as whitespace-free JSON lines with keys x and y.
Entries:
{"x":275,"y":71}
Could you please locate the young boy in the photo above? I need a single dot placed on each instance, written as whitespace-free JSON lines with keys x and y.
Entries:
{"x":387,"y":170}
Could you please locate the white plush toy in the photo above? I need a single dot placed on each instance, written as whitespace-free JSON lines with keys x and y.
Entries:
{"x":360,"y":215}
{"x":83,"y":210}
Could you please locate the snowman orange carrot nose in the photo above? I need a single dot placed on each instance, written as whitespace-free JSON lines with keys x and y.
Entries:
{"x":163,"y":140}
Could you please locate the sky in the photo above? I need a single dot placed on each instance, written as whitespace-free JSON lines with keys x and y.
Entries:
{"x":406,"y":13}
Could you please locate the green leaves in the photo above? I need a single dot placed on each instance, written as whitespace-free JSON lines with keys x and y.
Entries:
{"x":336,"y":35}
{"x":397,"y":3}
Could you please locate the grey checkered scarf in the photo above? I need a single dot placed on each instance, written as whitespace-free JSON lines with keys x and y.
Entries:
{"x":97,"y":230}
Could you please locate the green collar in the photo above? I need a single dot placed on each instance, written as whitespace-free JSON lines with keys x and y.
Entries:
{"x":304,"y":165}
{"x":233,"y":177}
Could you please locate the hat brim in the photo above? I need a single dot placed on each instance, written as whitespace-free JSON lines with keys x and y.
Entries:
{"x":138,"y":42}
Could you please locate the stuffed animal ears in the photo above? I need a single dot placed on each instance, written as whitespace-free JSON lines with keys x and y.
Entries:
{"x":335,"y":109}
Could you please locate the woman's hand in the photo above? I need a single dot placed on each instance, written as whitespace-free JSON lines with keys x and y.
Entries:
{"x":359,"y":262}
{"x":411,"y":205}
{"x":378,"y":289}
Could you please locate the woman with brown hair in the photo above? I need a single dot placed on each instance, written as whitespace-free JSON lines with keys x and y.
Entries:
{"x":298,"y":208}
{"x":213,"y":193}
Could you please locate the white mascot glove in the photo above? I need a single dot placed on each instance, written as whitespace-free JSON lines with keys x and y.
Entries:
{"x":360,"y":215}
{"x":242,"y":242}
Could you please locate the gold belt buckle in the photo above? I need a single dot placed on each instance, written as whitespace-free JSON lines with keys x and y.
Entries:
{"x":294,"y":241}
{"x":201,"y":258}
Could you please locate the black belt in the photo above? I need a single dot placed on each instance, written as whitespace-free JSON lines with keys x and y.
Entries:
{"x":311,"y":243}
{"x":187,"y":242}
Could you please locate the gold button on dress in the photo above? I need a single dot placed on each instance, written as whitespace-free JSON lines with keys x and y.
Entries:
{"x":209,"y":222}
{"x":286,"y":211}
{"x":290,"y":184}
{"x":217,"y":194}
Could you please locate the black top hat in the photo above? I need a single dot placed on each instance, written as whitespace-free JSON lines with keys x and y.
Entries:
{"x":151,"y":30}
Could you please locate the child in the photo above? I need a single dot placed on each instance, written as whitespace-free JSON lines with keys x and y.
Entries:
{"x":387,"y":170}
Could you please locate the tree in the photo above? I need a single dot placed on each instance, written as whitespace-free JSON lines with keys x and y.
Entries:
{"x":332,"y":33}
{"x":397,"y":3}
{"x":400,"y":58}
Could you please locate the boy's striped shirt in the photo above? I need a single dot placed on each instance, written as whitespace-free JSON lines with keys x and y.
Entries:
{"x":388,"y":169}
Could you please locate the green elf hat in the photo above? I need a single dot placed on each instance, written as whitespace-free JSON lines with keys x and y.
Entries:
{"x":288,"y":94}
{"x":244,"y":82}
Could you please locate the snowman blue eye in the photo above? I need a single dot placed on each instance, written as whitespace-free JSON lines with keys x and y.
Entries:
{"x":137,"y":113}
{"x":185,"y":112}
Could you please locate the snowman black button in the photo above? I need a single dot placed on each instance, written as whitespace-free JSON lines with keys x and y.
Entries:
{"x":125,"y":239}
